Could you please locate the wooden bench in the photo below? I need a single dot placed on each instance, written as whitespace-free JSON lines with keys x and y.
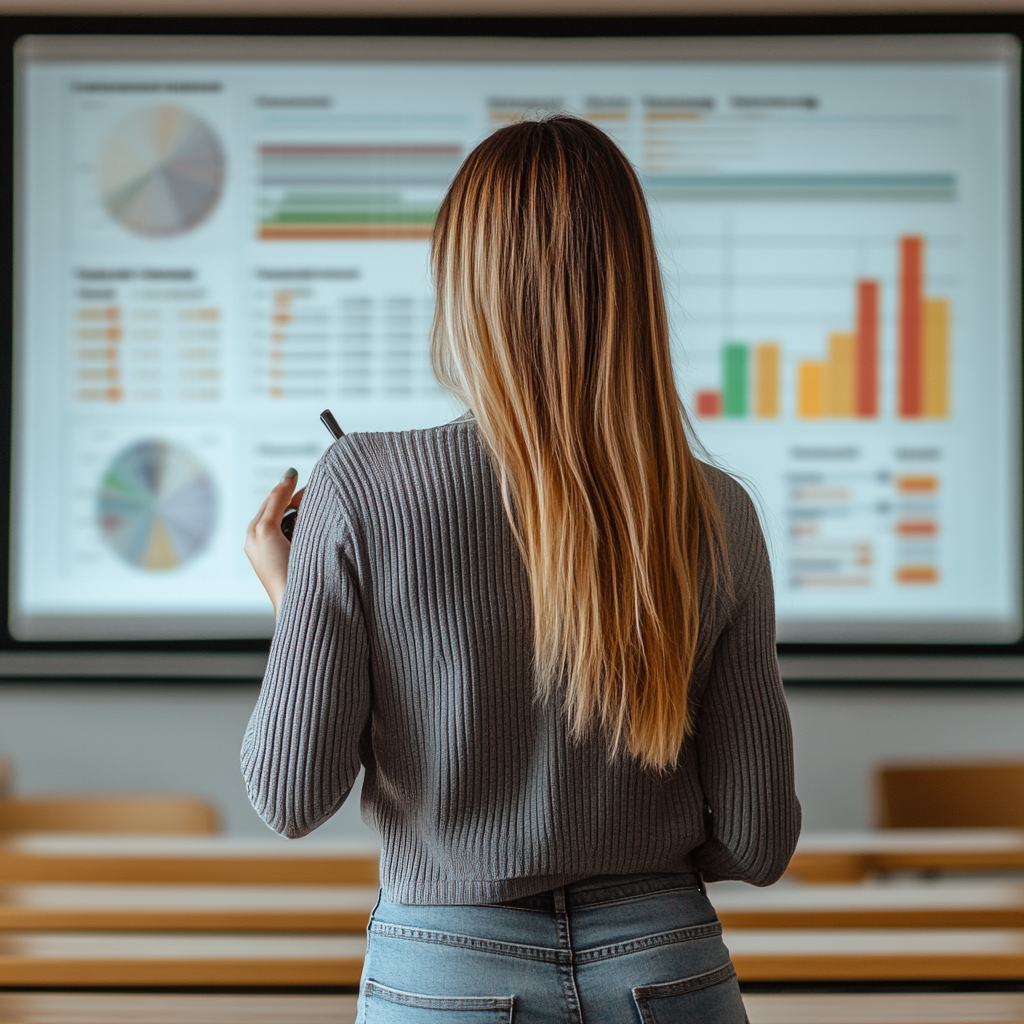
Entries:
{"x":212,"y":860}
{"x":890,"y":1008}
{"x":149,"y":1008}
{"x":850,"y":856}
{"x":146,"y":959}
{"x":960,"y":904}
{"x":862,"y":954}
{"x":190,"y":908}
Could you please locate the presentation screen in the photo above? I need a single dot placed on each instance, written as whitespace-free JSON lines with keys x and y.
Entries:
{"x":217,"y":238}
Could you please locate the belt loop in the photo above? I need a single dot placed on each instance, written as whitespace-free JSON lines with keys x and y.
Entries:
{"x":701,"y":887}
{"x":559,"y":895}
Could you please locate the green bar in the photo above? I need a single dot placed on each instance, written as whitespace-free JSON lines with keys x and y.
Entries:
{"x":734,"y":379}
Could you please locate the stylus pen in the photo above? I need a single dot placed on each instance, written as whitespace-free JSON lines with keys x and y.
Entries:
{"x":288,"y":519}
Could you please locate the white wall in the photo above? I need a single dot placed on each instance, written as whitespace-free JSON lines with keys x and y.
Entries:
{"x":186,"y":739}
{"x":841,"y":734}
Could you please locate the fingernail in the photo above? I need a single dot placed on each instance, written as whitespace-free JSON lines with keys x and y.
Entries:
{"x":289,"y":474}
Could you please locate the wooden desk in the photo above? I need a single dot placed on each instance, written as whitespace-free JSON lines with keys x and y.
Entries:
{"x":891,"y":1008}
{"x":199,"y":908}
{"x":867,"y":954}
{"x":213,"y":860}
{"x":139,"y":1008}
{"x":904,"y":904}
{"x":852,"y":856}
{"x":135,"y":960}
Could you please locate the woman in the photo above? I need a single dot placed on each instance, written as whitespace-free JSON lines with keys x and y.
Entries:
{"x":545,"y":630}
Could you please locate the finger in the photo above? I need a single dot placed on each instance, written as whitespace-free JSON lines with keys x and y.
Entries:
{"x":297,"y":498}
{"x":277,"y":500}
{"x":259,"y":515}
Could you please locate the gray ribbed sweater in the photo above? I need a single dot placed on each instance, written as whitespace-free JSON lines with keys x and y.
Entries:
{"x":404,"y":644}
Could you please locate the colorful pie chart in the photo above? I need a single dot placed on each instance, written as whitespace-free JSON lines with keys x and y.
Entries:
{"x":157,"y":506}
{"x":161,"y":171}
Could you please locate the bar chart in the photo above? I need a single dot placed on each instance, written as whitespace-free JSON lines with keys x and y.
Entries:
{"x":845,"y":381}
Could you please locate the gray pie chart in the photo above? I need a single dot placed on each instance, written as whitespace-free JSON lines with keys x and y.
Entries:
{"x":161,"y":171}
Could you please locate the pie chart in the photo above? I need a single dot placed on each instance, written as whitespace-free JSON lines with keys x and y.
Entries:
{"x":161,"y":171}
{"x":157,"y":505}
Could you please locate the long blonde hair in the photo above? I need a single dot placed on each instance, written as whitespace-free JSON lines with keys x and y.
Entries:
{"x":550,"y":325}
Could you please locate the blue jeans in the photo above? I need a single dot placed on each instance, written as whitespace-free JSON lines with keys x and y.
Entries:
{"x":638,"y":949}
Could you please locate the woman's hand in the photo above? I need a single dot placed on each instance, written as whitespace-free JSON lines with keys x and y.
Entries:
{"x":266,"y":547}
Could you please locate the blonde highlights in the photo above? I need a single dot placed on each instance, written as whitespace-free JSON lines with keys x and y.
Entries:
{"x":550,"y":324}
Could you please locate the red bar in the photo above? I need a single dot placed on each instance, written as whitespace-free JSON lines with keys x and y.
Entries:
{"x":910,"y":326}
{"x":709,"y":404}
{"x":867,"y":349}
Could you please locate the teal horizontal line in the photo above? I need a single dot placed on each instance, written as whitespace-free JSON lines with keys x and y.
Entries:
{"x":932,"y":187}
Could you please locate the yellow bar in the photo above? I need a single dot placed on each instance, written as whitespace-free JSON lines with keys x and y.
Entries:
{"x":767,"y":366}
{"x":936,"y":358}
{"x":810,"y":390}
{"x":840,"y":374}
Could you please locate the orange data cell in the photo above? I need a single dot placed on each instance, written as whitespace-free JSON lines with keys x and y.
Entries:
{"x":98,"y":313}
{"x":91,"y":354}
{"x":917,"y":527}
{"x":113,"y":394}
{"x":282,"y":318}
{"x":203,"y":313}
{"x":917,"y":574}
{"x":111,"y":373}
{"x":920,"y":483}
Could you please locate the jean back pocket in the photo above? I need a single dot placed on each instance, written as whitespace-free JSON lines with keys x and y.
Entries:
{"x":383,"y":1005}
{"x":709,"y":998}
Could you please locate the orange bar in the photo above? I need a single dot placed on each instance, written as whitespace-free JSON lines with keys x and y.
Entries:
{"x":917,"y":574}
{"x":918,"y":484}
{"x":911,"y":316}
{"x":917,"y":528}
{"x":936,"y":358}
{"x":840,"y":375}
{"x":810,"y":390}
{"x":868,"y":312}
{"x":767,"y":379}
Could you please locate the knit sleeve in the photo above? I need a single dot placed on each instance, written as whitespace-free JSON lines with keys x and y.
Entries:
{"x":743,"y":733}
{"x":300,"y":755}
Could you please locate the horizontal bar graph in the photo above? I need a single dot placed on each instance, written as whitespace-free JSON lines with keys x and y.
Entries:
{"x":338,"y":192}
{"x":845,"y":382}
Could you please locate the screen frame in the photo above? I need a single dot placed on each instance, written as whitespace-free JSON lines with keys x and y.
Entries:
{"x":807,"y":663}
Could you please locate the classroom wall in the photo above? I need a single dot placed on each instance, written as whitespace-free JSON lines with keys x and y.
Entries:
{"x":186,"y":738}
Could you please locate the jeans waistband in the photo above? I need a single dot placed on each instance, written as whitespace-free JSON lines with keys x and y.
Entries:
{"x":591,"y":892}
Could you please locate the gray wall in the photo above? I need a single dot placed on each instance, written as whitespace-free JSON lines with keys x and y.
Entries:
{"x":186,"y":739}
